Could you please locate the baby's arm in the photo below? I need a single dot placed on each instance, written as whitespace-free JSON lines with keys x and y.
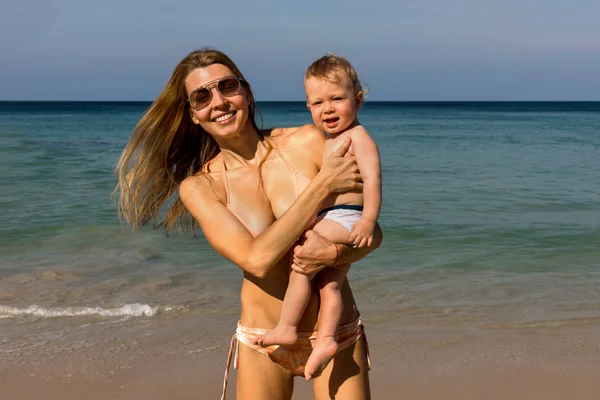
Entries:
{"x":367,"y":157}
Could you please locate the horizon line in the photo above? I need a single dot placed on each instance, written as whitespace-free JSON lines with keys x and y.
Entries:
{"x":303,"y":101}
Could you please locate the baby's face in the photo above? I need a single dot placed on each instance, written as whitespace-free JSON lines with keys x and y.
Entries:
{"x":333,"y":105}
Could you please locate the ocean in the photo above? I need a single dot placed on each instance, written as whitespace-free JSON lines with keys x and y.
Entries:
{"x":491,"y":220}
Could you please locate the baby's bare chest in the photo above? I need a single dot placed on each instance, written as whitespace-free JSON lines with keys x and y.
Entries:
{"x":332,"y":144}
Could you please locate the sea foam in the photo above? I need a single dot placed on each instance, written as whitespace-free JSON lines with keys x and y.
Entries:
{"x":129,"y":310}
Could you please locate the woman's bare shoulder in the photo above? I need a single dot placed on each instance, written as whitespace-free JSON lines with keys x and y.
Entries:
{"x":203,"y":183}
{"x":195,"y":185}
{"x":305,"y":135}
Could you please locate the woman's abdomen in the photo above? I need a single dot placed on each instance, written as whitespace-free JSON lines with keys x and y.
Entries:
{"x":262,"y":300}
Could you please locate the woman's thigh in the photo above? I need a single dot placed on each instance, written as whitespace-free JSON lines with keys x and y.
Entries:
{"x":260,"y":378}
{"x":346,"y":377}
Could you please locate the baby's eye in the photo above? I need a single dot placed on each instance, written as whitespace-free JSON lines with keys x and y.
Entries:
{"x":317,"y":103}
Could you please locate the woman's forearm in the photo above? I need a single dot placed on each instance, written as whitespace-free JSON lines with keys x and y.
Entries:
{"x":347,"y":254}
{"x":314,"y":252}
{"x":272,"y":244}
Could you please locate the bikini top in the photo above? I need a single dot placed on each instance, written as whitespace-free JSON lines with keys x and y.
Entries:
{"x":300,"y":183}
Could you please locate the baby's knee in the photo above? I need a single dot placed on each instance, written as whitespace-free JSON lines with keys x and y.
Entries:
{"x":331,"y":289}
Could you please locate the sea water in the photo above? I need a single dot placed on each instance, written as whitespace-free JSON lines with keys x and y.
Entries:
{"x":491,"y":215}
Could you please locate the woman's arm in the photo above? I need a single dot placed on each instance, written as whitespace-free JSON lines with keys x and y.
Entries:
{"x":314,"y":252}
{"x":257,"y":256}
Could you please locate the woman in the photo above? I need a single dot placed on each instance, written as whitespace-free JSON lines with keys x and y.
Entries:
{"x":252,"y":193}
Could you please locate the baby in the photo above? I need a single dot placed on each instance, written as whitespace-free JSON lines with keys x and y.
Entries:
{"x":333,"y":95}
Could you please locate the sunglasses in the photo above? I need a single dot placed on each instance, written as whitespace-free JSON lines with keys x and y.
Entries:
{"x":201,"y":97}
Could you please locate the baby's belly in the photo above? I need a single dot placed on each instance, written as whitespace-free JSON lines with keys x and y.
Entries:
{"x":345,"y":198}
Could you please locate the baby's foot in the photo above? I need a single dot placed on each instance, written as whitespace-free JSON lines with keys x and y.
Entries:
{"x":281,"y":334}
{"x":325,"y":349}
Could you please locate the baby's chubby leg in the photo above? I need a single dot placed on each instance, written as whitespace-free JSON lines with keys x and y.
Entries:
{"x":330,"y":282}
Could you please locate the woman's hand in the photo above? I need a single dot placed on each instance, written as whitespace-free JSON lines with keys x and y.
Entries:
{"x":340,"y":171}
{"x":313,"y":253}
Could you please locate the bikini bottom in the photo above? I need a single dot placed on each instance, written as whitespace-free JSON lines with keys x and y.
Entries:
{"x":293,"y":358}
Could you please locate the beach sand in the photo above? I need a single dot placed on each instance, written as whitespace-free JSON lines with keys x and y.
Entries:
{"x":153,"y":382}
{"x":152,"y":361}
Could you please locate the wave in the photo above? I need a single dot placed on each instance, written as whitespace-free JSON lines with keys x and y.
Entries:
{"x":127,"y":310}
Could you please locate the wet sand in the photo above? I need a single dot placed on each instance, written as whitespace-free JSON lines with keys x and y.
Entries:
{"x":510,"y":382}
{"x":152,"y":361}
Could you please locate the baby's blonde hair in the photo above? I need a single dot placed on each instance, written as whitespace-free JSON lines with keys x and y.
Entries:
{"x":334,"y":68}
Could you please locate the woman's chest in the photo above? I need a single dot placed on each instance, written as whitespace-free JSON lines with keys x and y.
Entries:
{"x":273,"y":187}
{"x":264,"y":194}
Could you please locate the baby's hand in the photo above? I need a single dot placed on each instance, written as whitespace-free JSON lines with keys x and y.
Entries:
{"x":362,"y":233}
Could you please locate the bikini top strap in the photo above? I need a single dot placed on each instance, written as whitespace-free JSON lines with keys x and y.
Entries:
{"x":206,"y":170}
{"x":226,"y":181}
{"x":288,"y":165}
{"x":206,"y":167}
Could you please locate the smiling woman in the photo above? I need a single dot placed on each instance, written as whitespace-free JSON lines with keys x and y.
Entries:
{"x":253,"y":193}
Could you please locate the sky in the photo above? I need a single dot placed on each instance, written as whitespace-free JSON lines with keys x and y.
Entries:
{"x":413,"y":50}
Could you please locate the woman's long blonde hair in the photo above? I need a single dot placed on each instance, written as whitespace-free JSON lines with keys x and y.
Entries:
{"x":166,"y":147}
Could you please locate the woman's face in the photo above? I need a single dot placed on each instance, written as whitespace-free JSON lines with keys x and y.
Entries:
{"x":223,"y":116}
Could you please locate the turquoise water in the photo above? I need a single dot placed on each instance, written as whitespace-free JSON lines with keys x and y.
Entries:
{"x":491,"y":210}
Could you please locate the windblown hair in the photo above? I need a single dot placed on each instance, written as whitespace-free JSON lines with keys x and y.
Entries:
{"x":334,"y":68}
{"x":166,"y":147}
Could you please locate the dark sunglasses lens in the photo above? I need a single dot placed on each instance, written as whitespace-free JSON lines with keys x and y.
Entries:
{"x":229,"y":86}
{"x":201,"y":98}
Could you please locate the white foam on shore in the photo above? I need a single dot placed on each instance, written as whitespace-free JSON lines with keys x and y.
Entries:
{"x":129,"y":310}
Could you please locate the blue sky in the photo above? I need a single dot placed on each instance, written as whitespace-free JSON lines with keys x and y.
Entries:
{"x":404,"y":50}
